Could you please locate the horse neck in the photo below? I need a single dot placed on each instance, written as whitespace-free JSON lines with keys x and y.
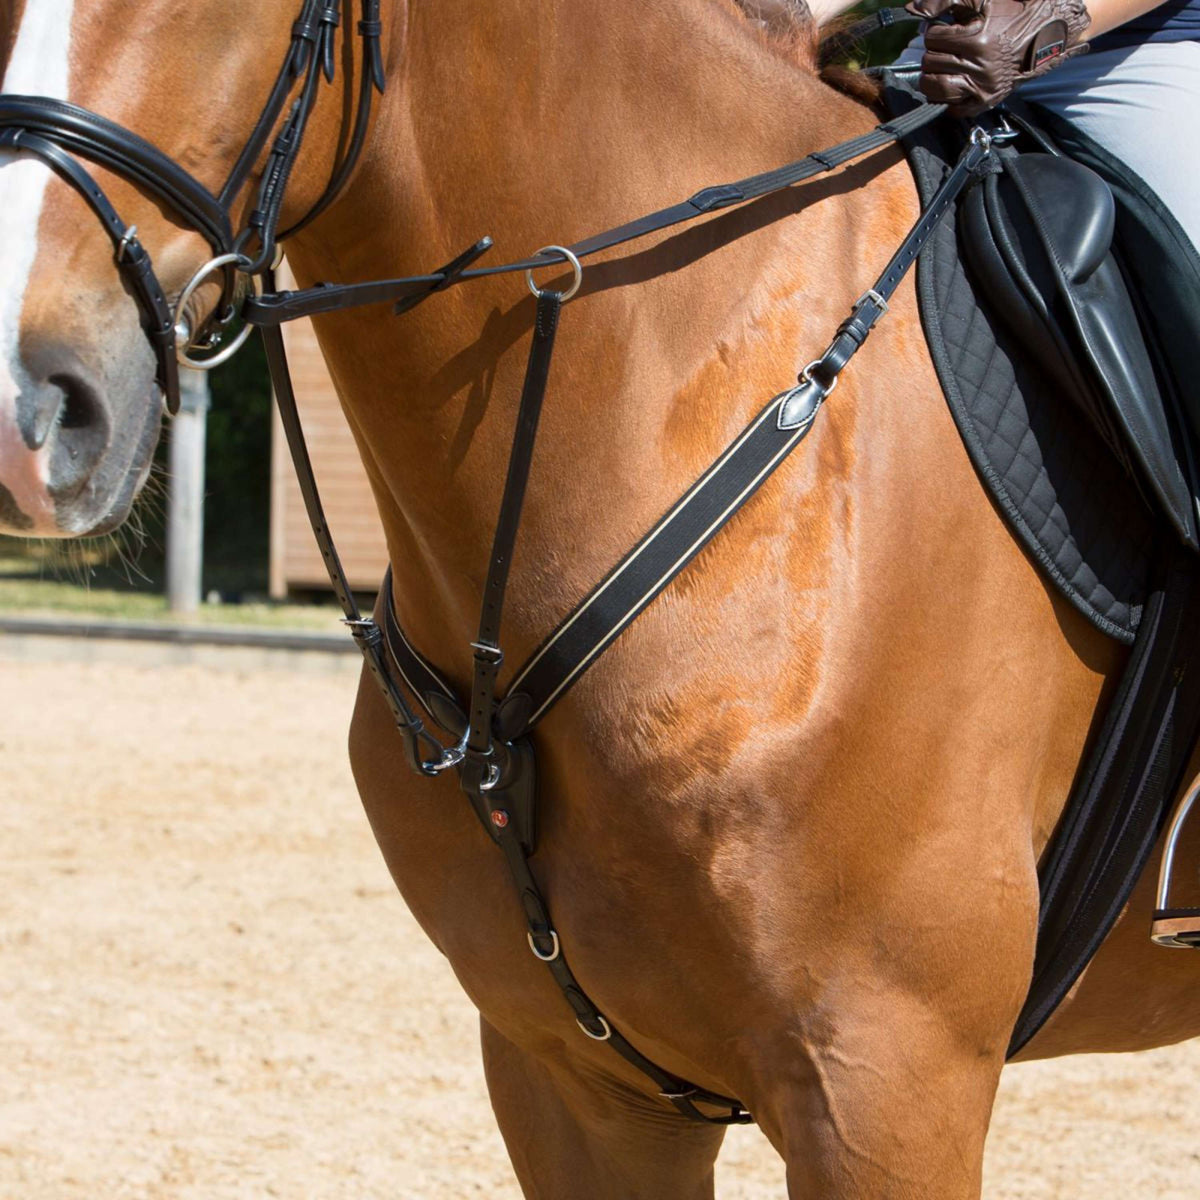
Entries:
{"x":535,"y":123}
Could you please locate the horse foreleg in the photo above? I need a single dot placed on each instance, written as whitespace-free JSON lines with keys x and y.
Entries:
{"x":570,"y":1134}
{"x":882,"y":1097}
{"x":885,"y":1102}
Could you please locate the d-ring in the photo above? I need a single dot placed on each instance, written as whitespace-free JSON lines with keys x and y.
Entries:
{"x":575,"y":266}
{"x":605,"y":1029}
{"x":226,"y":353}
{"x":555,"y":947}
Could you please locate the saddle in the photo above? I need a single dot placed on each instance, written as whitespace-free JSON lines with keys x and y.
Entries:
{"x":1037,"y":234}
{"x":1068,"y":364}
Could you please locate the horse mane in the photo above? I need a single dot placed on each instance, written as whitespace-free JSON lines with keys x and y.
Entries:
{"x":788,"y":28}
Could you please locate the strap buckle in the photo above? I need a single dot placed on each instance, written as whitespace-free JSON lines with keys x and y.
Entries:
{"x":128,"y":240}
{"x":873,"y":297}
{"x":450,"y":757}
{"x":488,"y":652}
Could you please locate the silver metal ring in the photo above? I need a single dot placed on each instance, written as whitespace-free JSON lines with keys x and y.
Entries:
{"x":806,"y":375}
{"x":596,"y":1037}
{"x":576,"y":266}
{"x":555,"y":950}
{"x":178,"y":318}
{"x":451,"y":756}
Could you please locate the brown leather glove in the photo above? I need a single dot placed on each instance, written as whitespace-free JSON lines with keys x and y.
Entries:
{"x":989,"y":46}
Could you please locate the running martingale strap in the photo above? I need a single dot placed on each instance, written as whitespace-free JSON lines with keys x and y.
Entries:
{"x":274,"y":308}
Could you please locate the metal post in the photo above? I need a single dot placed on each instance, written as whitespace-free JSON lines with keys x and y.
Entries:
{"x":185,"y":493}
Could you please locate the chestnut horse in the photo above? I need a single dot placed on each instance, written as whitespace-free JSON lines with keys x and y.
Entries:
{"x":791,"y":819}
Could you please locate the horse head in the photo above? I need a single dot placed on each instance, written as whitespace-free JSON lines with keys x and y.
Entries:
{"x":81,"y":382}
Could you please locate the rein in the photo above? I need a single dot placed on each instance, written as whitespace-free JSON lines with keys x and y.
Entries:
{"x":493,"y":754}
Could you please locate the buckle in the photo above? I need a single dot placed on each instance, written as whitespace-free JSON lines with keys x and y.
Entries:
{"x":487,"y":652}
{"x":875,"y":298}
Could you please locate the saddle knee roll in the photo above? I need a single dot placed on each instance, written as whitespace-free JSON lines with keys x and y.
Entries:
{"x":1037,"y":236}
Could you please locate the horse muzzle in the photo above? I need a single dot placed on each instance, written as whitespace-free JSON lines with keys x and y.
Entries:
{"x":78,"y":426}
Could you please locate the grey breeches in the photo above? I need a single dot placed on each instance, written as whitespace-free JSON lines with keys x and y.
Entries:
{"x":1139,"y":102}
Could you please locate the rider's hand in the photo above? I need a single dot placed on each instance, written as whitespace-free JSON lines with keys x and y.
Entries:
{"x":977,"y":51}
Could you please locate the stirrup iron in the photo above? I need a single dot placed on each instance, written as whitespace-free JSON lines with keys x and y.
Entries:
{"x":1176,"y":927}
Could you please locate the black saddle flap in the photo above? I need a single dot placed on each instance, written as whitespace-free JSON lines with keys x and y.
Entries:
{"x":1038,"y":238}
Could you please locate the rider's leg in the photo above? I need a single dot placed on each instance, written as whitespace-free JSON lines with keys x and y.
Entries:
{"x":1138,"y":102}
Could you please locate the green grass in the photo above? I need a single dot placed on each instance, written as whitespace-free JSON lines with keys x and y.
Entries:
{"x":36,"y":587}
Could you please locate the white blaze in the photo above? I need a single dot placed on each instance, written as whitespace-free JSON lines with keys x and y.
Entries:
{"x":38,"y":66}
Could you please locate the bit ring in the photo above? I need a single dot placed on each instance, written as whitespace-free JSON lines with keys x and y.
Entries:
{"x":177,"y":319}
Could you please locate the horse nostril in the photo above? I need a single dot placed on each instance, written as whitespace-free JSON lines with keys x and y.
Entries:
{"x":79,"y":408}
{"x":72,"y":418}
{"x":77,"y":411}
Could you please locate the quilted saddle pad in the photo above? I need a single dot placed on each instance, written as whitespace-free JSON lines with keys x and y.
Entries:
{"x":1066,"y":496}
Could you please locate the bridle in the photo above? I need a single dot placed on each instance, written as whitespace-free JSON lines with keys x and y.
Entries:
{"x":60,"y":134}
{"x":491,"y":751}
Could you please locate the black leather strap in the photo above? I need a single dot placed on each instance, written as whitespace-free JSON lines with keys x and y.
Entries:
{"x":546,"y":945}
{"x":853,"y":331}
{"x":480,"y":764}
{"x":117,"y":149}
{"x":417,"y":673}
{"x":421,"y":748}
{"x":132,"y":258}
{"x":843,"y":41}
{"x":273,"y":308}
{"x":370,"y":81}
